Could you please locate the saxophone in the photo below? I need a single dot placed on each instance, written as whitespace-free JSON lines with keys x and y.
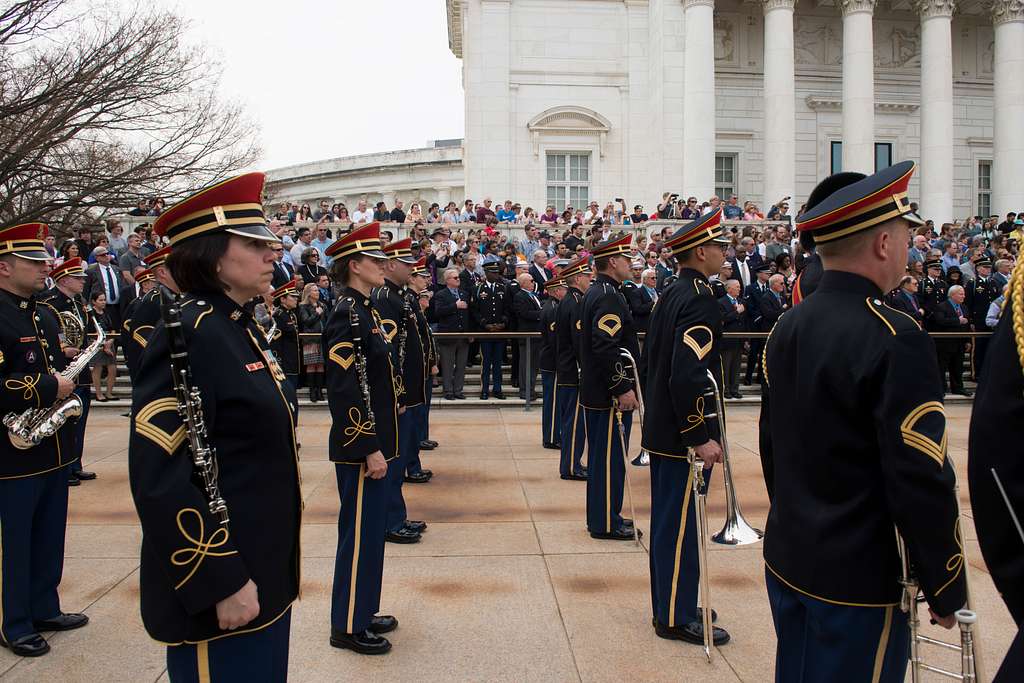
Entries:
{"x":360,"y":356}
{"x":29,"y":428}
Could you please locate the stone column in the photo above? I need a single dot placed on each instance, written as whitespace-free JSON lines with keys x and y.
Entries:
{"x":444,"y":195}
{"x":699,"y":99}
{"x":858,"y":86}
{"x":936,"y":198}
{"x":1008,"y":107}
{"x":779,"y":101}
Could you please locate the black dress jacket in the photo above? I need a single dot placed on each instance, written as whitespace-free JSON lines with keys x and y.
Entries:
{"x":398,"y":323}
{"x":140,"y":321}
{"x":606,"y":326}
{"x":285,"y":343}
{"x":548,"y":343}
{"x":567,"y":338}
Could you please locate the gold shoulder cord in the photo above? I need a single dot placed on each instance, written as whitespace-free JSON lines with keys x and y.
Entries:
{"x":1016,"y":299}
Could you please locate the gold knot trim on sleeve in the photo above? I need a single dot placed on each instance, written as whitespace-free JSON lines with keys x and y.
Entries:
{"x":922,"y":442}
{"x":200,"y":547}
{"x":610,"y":324}
{"x":701,"y":350}
{"x":335,"y":355}
{"x":955,"y":563}
{"x":27,"y":386}
{"x":697,"y":419}
{"x":359,"y":427}
{"x":388,"y":328}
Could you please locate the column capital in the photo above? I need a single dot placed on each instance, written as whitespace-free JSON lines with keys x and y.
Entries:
{"x":858,"y":6}
{"x":698,"y":3}
{"x":935,"y":8}
{"x":769,"y":5}
{"x":1005,"y":11}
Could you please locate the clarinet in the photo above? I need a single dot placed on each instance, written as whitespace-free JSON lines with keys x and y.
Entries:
{"x":361,"y":373}
{"x":403,"y":333}
{"x":190,"y":406}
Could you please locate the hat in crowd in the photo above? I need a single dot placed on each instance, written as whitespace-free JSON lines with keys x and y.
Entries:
{"x":638,"y":263}
{"x":544,"y":234}
{"x":363,"y":240}
{"x":614,"y":247}
{"x":706,"y":229}
{"x":932,"y":263}
{"x":849,"y":205}
{"x":70,"y":268}
{"x":557,"y":263}
{"x":401,"y":251}
{"x":157,"y":258}
{"x":983,"y":262}
{"x":290,"y":288}
{"x":234,"y":206}
{"x":420,"y":267}
{"x":521,"y":262}
{"x":439,"y":230}
{"x":492,"y":266}
{"x":553,"y":283}
{"x":762,"y":267}
{"x":144,"y":275}
{"x":26,"y":241}
{"x":577,"y":266}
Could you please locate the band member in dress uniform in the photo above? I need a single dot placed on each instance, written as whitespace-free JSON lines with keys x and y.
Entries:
{"x":146,"y":280}
{"x":398,"y":324}
{"x":217,"y":584}
{"x":981,"y":292}
{"x":869,"y":456}
{"x":33,"y":481}
{"x":932,"y":290}
{"x":492,"y":310}
{"x":66,"y":300}
{"x":683,"y":343}
{"x":144,"y":314}
{"x":995,"y":446}
{"x":606,"y":390}
{"x":551,"y":427}
{"x":416,"y":291}
{"x":363,"y":439}
{"x":576,"y":276}
{"x":285,"y":343}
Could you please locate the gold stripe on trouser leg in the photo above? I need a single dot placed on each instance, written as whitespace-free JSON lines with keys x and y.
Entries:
{"x":679,"y":550}
{"x":554,"y":412}
{"x":883,"y":645}
{"x":2,"y":583}
{"x":203,"y":662}
{"x":355,"y":547}
{"x":608,"y":475}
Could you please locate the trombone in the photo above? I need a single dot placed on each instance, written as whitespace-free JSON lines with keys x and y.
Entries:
{"x":643,"y":458}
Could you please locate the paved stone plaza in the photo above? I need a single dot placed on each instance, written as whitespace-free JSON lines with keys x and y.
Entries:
{"x":506,"y":585}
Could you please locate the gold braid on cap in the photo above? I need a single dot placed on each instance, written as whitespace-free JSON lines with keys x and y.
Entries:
{"x":1015,"y":297}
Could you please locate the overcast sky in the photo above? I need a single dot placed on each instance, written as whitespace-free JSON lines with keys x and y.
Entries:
{"x":330,"y":78}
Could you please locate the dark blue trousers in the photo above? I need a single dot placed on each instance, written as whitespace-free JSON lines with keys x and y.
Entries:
{"x":426,"y":418}
{"x":550,"y":424}
{"x":33,"y":516}
{"x":359,"y":565}
{"x":573,"y":428}
{"x":255,"y":656}
{"x":606,"y":470}
{"x":822,"y":641}
{"x":419,"y":425}
{"x":675,"y":565}
{"x":85,"y":394}
{"x":490,"y":373}
{"x":408,"y":447}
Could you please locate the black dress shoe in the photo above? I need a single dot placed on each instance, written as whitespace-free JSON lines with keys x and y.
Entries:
{"x":74,"y":481}
{"x":449,"y":397}
{"x":415,"y":525}
{"x":484,"y":396}
{"x":32,"y":645}
{"x":365,"y":643}
{"x":500,"y":396}
{"x":417,"y":478}
{"x":383,"y":623}
{"x":621,"y":534}
{"x":402,"y":536}
{"x":460,"y":396}
{"x":574,"y":477}
{"x":62,"y":622}
{"x":433,"y":444}
{"x":962,"y":392}
{"x":700,"y":617}
{"x":553,"y":446}
{"x":85,"y":475}
{"x":426,"y":446}
{"x":692,"y":633}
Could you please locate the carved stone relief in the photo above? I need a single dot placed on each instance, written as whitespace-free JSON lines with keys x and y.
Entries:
{"x":725,"y":40}
{"x":986,"y":38}
{"x":897,"y":45}
{"x":817,"y":41}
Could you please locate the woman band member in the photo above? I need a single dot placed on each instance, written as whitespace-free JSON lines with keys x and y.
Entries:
{"x":217,"y":591}
{"x":364,"y":436}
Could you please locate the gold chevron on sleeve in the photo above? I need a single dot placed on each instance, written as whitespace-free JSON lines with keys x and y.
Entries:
{"x":690,"y":339}
{"x":137,"y":335}
{"x":145,"y":426}
{"x":336,"y":356}
{"x":925,"y":443}
{"x":610,"y":324}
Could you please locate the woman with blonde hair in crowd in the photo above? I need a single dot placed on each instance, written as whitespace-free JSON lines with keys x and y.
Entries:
{"x":751,"y":212}
{"x":415,"y":214}
{"x":312,"y":314}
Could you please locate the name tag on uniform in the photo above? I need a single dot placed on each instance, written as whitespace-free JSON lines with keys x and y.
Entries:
{"x":253,"y":367}
{"x":27,"y":340}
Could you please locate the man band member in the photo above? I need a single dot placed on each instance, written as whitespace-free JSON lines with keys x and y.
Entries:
{"x":364,"y":438}
{"x":683,"y":342}
{"x":33,"y":481}
{"x":576,"y":276}
{"x":217,"y":586}
{"x":607,"y":390}
{"x":981,"y":292}
{"x":418,"y":293}
{"x":285,"y":343}
{"x":551,"y":426}
{"x":398,"y":325}
{"x":995,"y":451}
{"x":66,"y":298}
{"x":859,"y":437}
{"x":492,"y":309}
{"x":144,"y":313}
